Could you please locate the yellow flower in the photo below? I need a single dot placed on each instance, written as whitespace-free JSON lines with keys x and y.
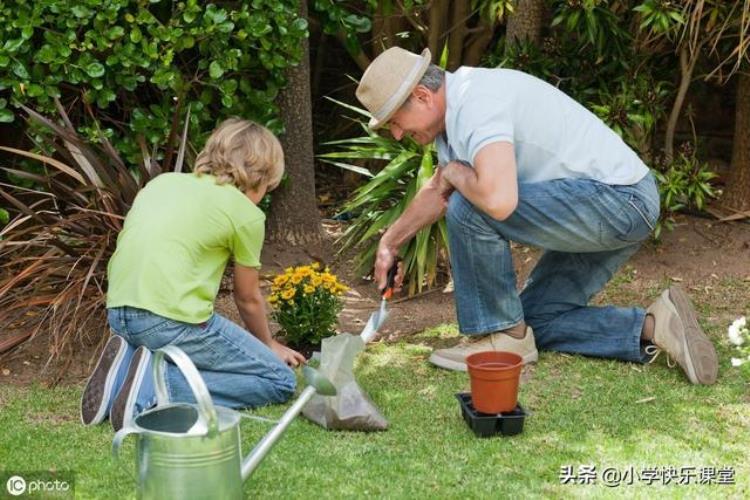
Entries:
{"x":304,"y":271}
{"x":329,"y":278}
{"x":290,"y":302}
{"x":327,"y":285}
{"x":273,"y":298}
{"x":289,"y":270}
{"x":309,"y":289}
{"x":315,"y":265}
{"x":280,"y":280}
{"x":296,"y":278}
{"x":317,"y":281}
{"x":288,"y":293}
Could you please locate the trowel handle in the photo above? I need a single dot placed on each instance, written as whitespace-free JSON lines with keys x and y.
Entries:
{"x":390,"y":282}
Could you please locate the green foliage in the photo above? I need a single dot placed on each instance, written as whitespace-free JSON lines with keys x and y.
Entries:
{"x":384,"y":197}
{"x":53,"y":264}
{"x":683,"y":184}
{"x":306,"y":302}
{"x":632,"y":109}
{"x":137,"y":65}
{"x":341,"y":18}
{"x":660,"y":16}
{"x":593,"y":23}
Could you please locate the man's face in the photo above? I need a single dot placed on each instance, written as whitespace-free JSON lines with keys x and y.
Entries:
{"x":419,"y":117}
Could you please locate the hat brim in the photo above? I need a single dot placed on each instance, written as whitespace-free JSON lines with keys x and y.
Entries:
{"x":374,"y":123}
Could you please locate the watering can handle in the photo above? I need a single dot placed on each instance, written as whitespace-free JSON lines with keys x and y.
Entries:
{"x":119,"y":438}
{"x":117,"y":443}
{"x":194,"y":380}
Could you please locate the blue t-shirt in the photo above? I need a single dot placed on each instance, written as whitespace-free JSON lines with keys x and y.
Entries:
{"x":553,"y":136}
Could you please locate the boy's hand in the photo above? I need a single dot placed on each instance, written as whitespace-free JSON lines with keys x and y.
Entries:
{"x":287,"y":355}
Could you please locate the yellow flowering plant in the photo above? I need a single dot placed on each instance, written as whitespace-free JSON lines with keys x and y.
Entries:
{"x":305,"y":301}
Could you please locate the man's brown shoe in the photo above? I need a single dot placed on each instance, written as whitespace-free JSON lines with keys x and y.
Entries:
{"x":454,"y":358}
{"x":678,"y":333}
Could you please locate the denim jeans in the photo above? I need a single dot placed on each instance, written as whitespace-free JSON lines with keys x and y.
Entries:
{"x":587,"y":230}
{"x":238,"y":369}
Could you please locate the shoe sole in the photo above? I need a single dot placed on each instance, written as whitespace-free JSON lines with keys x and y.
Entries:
{"x":124,"y":405}
{"x":450,"y":364}
{"x":98,"y":390}
{"x":702,"y":360}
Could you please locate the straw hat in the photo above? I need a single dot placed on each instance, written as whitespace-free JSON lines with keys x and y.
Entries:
{"x":388,"y":82}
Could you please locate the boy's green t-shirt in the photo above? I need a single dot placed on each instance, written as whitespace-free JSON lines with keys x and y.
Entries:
{"x":175,"y":243}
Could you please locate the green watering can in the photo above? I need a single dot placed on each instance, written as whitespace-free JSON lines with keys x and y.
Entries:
{"x":187,"y":451}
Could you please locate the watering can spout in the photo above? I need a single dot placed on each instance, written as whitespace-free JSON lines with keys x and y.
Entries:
{"x":316,"y":383}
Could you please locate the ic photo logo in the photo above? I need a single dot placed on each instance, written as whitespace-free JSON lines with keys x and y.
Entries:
{"x":38,"y":484}
{"x":16,"y":485}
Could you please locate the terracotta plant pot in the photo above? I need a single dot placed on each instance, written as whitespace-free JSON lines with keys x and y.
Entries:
{"x":494,"y":379}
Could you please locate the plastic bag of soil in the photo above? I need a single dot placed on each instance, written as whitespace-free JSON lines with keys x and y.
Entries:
{"x":350,"y":409}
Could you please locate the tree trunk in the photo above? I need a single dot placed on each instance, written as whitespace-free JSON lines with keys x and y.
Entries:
{"x":737,"y":193}
{"x":525,"y":23}
{"x":438,"y":20}
{"x":294,"y":217}
{"x":476,"y":45}
{"x":687,"y":64}
{"x":456,"y":37}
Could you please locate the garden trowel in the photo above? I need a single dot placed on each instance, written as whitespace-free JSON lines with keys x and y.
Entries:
{"x":378,"y":317}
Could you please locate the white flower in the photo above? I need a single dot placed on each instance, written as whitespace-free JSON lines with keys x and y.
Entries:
{"x":736,"y":330}
{"x":737,"y":361}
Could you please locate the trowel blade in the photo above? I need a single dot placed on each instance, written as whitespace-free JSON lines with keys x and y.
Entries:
{"x":374,"y":323}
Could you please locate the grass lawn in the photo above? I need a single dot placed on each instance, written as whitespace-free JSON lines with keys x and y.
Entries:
{"x":585,"y":412}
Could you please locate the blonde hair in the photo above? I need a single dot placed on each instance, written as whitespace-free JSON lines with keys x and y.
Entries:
{"x":242,"y":153}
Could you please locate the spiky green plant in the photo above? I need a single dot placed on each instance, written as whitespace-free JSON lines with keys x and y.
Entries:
{"x":55,"y":248}
{"x":384,"y":197}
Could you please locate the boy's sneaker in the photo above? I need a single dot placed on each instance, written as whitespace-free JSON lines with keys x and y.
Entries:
{"x":137,"y":393}
{"x":454,"y":358}
{"x":105,"y":380}
{"x":678,"y":333}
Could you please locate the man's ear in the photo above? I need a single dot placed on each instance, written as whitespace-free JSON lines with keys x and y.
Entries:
{"x":422,"y":94}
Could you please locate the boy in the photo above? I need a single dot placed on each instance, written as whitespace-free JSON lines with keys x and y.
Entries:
{"x":165,"y":274}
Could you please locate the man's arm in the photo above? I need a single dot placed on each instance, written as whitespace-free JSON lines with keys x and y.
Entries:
{"x":428,"y":206}
{"x":492,"y":184}
{"x":252,"y":308}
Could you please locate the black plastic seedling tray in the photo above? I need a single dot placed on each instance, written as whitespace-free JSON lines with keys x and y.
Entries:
{"x":488,"y":424}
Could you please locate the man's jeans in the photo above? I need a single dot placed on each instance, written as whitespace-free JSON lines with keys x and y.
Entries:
{"x":587,"y":230}
{"x":238,"y":369}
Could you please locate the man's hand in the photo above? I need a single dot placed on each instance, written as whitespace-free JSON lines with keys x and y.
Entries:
{"x":384,"y":260}
{"x":492,"y":184}
{"x":286,"y":354}
{"x":443,"y":187}
{"x":427,"y":207}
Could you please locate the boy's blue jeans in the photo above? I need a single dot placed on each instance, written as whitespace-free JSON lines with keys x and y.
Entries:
{"x":587,"y":230}
{"x":238,"y":369}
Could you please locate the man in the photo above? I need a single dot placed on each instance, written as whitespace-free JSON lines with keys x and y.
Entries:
{"x":521,"y":161}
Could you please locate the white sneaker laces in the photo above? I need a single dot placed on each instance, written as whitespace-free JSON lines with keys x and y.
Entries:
{"x":654,"y":350}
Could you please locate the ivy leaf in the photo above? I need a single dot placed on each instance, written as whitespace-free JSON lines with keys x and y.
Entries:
{"x":6,"y":116}
{"x":136,"y":35}
{"x":46,"y":54}
{"x":95,"y":70}
{"x":215,"y":70}
{"x":13,"y":45}
{"x":80,"y":11}
{"x":20,"y":71}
